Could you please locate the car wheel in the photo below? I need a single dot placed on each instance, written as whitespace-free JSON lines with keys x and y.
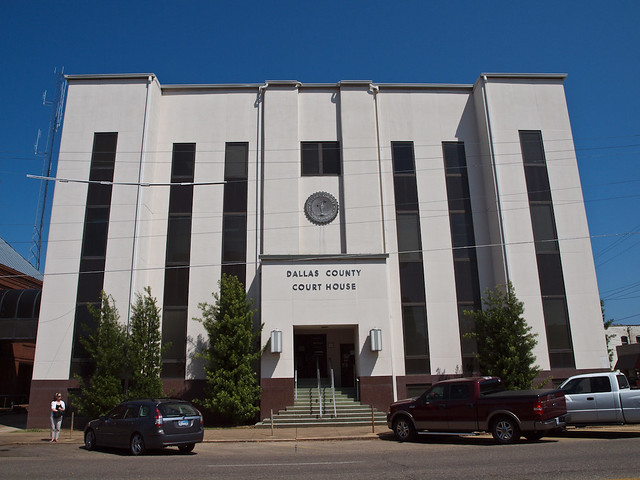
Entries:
{"x":403,"y":429}
{"x":137,"y":444}
{"x":505,"y":430}
{"x":89,"y":440}
{"x":186,"y":448}
{"x":533,"y":437}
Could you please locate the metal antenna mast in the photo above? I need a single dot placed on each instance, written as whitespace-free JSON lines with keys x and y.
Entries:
{"x":57,"y":106}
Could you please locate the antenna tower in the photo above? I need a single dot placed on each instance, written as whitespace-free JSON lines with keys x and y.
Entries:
{"x":57,"y":107}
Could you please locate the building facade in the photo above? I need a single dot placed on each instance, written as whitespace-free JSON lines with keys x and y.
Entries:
{"x":363,"y":219}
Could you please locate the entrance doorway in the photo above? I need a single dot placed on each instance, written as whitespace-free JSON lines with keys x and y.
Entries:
{"x":310,"y":354}
{"x":347,"y":364}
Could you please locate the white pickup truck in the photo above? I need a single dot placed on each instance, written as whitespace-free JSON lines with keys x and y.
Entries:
{"x":601,"y":398}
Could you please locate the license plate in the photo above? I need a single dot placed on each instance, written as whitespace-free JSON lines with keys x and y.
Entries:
{"x":183,"y":423}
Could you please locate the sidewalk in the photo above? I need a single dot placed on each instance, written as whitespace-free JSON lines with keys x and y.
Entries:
{"x":19,"y":436}
{"x":11,"y":435}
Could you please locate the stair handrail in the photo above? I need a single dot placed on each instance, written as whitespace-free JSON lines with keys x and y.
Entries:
{"x":295,"y":384}
{"x":333,"y":390}
{"x":319,"y":391}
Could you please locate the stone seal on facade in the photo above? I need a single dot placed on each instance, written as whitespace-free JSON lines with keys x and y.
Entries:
{"x":321,"y":208}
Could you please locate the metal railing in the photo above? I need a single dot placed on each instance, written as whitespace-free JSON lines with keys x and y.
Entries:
{"x":333,"y":390}
{"x":319,"y":385}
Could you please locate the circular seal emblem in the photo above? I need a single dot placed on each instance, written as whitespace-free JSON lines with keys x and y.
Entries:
{"x":321,"y":208}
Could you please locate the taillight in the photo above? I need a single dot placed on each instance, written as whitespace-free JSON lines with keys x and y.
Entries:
{"x":538,"y":409}
{"x":200,"y":414}
{"x":158,"y":422}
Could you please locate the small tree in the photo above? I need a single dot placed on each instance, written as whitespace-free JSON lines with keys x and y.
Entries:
{"x":232,"y":389}
{"x":607,"y":336}
{"x":106,"y":345}
{"x":505,"y":341}
{"x":145,"y":348}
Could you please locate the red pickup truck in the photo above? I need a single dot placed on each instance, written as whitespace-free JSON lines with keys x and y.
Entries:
{"x":469,"y":405}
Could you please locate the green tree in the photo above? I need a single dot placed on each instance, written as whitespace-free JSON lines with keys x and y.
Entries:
{"x":232,"y":388}
{"x":106,"y":345}
{"x":505,"y":341}
{"x":607,"y":336}
{"x":145,"y":348}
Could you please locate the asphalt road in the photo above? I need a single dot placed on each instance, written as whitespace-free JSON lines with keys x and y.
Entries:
{"x":578,"y":455}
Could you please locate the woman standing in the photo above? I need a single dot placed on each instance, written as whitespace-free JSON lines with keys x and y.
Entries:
{"x":57,"y":412}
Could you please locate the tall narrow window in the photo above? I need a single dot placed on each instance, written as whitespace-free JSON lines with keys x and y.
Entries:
{"x":464,"y":252}
{"x":554,"y":299}
{"x":94,"y":246}
{"x":320,"y":158}
{"x":178,"y":256}
{"x":412,"y":287}
{"x":234,"y":211}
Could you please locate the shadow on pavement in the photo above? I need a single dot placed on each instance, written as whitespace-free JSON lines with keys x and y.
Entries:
{"x":14,"y":420}
{"x":611,"y":434}
{"x":479,"y":440}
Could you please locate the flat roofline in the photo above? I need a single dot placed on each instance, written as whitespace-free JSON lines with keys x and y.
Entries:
{"x":297,"y":84}
{"x":555,"y":76}
{"x":110,"y":76}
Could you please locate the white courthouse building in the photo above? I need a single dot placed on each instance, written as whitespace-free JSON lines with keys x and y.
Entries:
{"x":363,"y":218}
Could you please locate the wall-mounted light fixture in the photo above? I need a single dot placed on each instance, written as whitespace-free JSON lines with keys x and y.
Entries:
{"x":276,"y":341}
{"x":376,"y":339}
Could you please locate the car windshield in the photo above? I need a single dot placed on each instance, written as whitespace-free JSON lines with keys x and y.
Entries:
{"x":177,"y":409}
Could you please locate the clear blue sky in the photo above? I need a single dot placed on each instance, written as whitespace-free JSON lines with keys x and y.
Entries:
{"x":234,"y":41}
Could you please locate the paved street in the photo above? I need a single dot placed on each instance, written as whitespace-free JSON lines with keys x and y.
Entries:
{"x":578,"y":454}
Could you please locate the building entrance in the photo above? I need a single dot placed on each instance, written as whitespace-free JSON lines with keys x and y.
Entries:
{"x":310,"y":354}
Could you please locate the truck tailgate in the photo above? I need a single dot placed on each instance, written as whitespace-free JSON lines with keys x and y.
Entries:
{"x":553,"y":404}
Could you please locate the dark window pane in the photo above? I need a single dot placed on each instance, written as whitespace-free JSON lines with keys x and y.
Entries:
{"x":467,"y":287}
{"x":310,"y":158}
{"x":331,"y":158}
{"x":416,"y":366}
{"x":320,"y":158}
{"x":412,"y":282}
{"x":544,"y":229}
{"x":89,"y":286}
{"x":174,"y":331}
{"x":409,"y":235}
{"x":234,"y":238}
{"x":176,"y":286}
{"x":173,"y":369}
{"x":103,"y":156}
{"x":85,"y":324}
{"x":461,"y":230}
{"x":414,"y":319}
{"x":96,"y":227}
{"x":179,"y":240}
{"x":402,"y":154}
{"x":236,"y":160}
{"x":99,"y":195}
{"x":454,"y":157}
{"x":550,"y":271}
{"x":235,"y":196}
{"x":183,"y":161}
{"x":458,"y":193}
{"x":562,"y":360}
{"x":406,"y":192}
{"x":557,"y":323}
{"x":532,"y":149}
{"x":237,"y":269}
{"x":537,"y":183}
{"x":181,"y":199}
